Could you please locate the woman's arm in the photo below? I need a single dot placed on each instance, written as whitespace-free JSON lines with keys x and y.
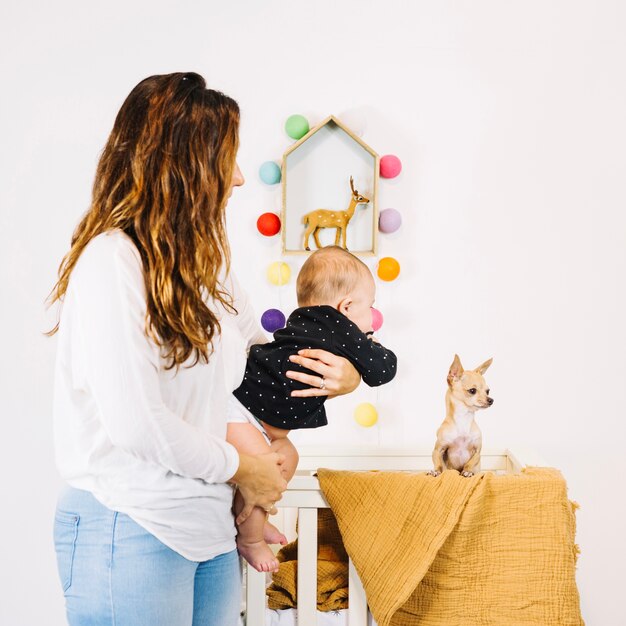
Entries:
{"x":260,"y":482}
{"x":121,"y":367}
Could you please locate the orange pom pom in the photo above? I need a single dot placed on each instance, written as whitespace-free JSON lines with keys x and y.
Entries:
{"x":388,"y":268}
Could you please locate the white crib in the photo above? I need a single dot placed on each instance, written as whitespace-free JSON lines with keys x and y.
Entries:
{"x":304,"y":496}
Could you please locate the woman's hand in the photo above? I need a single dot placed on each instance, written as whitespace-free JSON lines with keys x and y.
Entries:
{"x":337,"y":376}
{"x":260,"y":482}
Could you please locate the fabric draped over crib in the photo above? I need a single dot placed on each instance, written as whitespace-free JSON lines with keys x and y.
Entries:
{"x":451,"y":551}
{"x":446,"y":551}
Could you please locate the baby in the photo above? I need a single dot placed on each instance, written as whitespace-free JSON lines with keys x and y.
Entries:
{"x":335,"y":295}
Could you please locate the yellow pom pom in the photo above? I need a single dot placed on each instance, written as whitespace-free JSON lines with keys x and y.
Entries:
{"x":366,"y":414}
{"x":388,"y":268}
{"x":278,"y":273}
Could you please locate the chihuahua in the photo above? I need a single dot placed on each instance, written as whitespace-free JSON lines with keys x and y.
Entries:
{"x":458,"y":439}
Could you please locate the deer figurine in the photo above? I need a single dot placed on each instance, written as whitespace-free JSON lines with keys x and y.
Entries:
{"x":326,"y":218}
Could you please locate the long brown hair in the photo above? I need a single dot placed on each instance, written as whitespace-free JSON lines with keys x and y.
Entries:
{"x":164,"y":178}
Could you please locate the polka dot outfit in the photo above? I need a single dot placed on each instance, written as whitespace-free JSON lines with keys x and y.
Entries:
{"x":265,"y":390}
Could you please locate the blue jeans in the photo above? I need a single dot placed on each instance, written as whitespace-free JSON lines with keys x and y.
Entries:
{"x":115,"y":573}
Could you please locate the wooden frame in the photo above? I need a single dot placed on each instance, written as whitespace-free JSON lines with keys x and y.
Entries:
{"x":304,"y":495}
{"x":291,"y":219}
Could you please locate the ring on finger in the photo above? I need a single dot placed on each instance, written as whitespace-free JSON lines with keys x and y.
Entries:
{"x":323,"y":383}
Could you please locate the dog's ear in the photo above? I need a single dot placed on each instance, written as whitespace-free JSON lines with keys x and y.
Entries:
{"x":481,"y":369}
{"x":456,"y":370}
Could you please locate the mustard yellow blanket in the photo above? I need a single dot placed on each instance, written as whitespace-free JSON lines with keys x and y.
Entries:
{"x":332,"y":570}
{"x":451,"y":551}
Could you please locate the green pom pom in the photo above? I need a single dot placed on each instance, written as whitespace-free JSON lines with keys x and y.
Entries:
{"x":296,"y":126}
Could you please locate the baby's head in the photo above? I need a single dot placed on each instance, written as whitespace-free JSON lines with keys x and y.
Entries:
{"x":334,"y":277}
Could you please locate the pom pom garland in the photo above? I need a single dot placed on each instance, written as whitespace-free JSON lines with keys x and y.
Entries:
{"x":278,"y":273}
{"x":296,"y":126}
{"x":390,"y":166}
{"x":388,"y":268}
{"x":377,"y":319}
{"x":272,"y":320}
{"x":268,"y":224}
{"x":389,"y":221}
{"x":269,"y":173}
{"x":366,"y":414}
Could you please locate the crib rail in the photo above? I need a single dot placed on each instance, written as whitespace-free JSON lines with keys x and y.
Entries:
{"x":304,"y":495}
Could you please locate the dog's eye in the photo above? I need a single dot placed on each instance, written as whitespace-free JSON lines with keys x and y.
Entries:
{"x":472,"y":391}
{"x":488,"y":390}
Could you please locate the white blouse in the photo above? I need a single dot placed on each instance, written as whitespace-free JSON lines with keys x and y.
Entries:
{"x":144,"y":440}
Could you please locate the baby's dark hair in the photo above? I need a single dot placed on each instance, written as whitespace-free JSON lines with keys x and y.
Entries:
{"x":327,"y":274}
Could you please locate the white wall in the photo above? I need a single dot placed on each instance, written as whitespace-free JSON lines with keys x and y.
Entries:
{"x":509,"y":120}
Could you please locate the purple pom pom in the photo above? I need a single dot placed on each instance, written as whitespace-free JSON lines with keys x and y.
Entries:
{"x":389,"y":221}
{"x":272,"y":320}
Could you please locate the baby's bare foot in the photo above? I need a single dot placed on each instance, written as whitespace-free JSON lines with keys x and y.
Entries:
{"x":258,"y":554}
{"x":271,"y":534}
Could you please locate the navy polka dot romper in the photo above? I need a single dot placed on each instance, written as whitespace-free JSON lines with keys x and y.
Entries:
{"x":265,"y":390}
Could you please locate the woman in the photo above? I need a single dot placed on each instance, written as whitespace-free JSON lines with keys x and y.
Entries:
{"x":153,"y":335}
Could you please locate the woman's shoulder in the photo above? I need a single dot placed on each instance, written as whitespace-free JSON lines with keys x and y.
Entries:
{"x":106,"y":253}
{"x":111,"y":243}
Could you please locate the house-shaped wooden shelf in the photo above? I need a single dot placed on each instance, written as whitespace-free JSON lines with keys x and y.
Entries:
{"x":316,"y":173}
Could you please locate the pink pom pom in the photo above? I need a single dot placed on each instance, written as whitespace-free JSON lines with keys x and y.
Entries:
{"x":390,"y":166}
{"x":377,"y":319}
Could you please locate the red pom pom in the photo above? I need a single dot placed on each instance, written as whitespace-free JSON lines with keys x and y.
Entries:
{"x":268,"y":224}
